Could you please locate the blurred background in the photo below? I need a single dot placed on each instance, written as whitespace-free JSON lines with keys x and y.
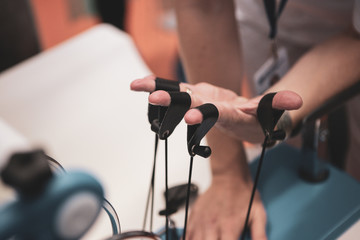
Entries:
{"x":28,"y":27}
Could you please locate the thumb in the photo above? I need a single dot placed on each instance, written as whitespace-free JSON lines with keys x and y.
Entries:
{"x":283,"y":100}
{"x":287,"y":100}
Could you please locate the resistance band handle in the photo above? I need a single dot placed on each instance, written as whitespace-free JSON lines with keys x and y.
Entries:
{"x":180,"y":104}
{"x":166,"y":85}
{"x":268,"y":118}
{"x":156,"y":113}
{"x":197,"y":132}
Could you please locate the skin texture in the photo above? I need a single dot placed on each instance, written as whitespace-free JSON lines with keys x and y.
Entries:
{"x":237,"y":115}
{"x":237,"y":119}
{"x":211,"y":53}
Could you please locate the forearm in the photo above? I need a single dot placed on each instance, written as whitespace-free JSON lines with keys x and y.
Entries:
{"x":210,"y":52}
{"x":322,"y":73}
{"x":209,"y":43}
{"x":228,"y":157}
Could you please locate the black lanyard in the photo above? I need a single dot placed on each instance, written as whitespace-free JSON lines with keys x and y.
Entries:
{"x":273,"y":14}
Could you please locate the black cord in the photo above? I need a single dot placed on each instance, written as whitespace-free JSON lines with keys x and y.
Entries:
{"x":151,"y":189}
{"x":166,"y":190}
{"x":153,"y":184}
{"x":107,"y":206}
{"x":55,"y":163}
{"x":254,"y":186}
{"x":147,"y":207}
{"x":114,"y":218}
{"x":188,"y":196}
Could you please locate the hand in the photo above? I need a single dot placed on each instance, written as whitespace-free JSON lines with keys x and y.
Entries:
{"x":237,"y":115}
{"x":221,"y":211}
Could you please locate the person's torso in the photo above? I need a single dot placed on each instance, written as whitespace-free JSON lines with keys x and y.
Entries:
{"x":302,"y":24}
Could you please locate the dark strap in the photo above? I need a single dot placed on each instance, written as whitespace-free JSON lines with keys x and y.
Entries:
{"x":273,"y":14}
{"x":197,"y":132}
{"x":180,"y":104}
{"x":268,"y":118}
{"x":167,"y":85}
{"x":156,"y":113}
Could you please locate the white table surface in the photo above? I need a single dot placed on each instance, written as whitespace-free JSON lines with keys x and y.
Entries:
{"x":75,"y":102}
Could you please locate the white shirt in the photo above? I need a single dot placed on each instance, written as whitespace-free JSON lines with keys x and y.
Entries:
{"x":302,"y":24}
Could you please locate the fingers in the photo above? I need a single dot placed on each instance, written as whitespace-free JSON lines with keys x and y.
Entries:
{"x":283,"y":100}
{"x":258,"y":225}
{"x":161,"y":98}
{"x":213,"y":229}
{"x":211,"y":233}
{"x":251,"y":106}
{"x":287,"y":100}
{"x":229,"y":230}
{"x":195,"y":228}
{"x":232,"y":110}
{"x":193,"y":116}
{"x":146,"y":84}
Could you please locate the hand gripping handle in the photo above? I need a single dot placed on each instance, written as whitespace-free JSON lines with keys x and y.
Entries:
{"x":197,"y":132}
{"x":156,"y":113}
{"x":165,"y":119}
{"x":268,"y":118}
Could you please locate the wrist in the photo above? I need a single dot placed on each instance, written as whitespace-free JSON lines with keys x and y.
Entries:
{"x":241,"y":177}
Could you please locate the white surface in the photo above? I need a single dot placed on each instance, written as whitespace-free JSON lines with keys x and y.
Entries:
{"x":75,"y":101}
{"x":10,"y":141}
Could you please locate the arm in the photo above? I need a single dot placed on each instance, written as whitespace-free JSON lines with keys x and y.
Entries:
{"x":210,"y":51}
{"x":319,"y":74}
{"x":323,"y":72}
{"x":209,"y":42}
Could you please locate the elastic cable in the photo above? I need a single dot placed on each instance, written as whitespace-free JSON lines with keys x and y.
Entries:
{"x":254,"y":187}
{"x":188,"y":197}
{"x":166,"y":191}
{"x":151,"y":189}
{"x":114,"y":219}
{"x":55,"y":165}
